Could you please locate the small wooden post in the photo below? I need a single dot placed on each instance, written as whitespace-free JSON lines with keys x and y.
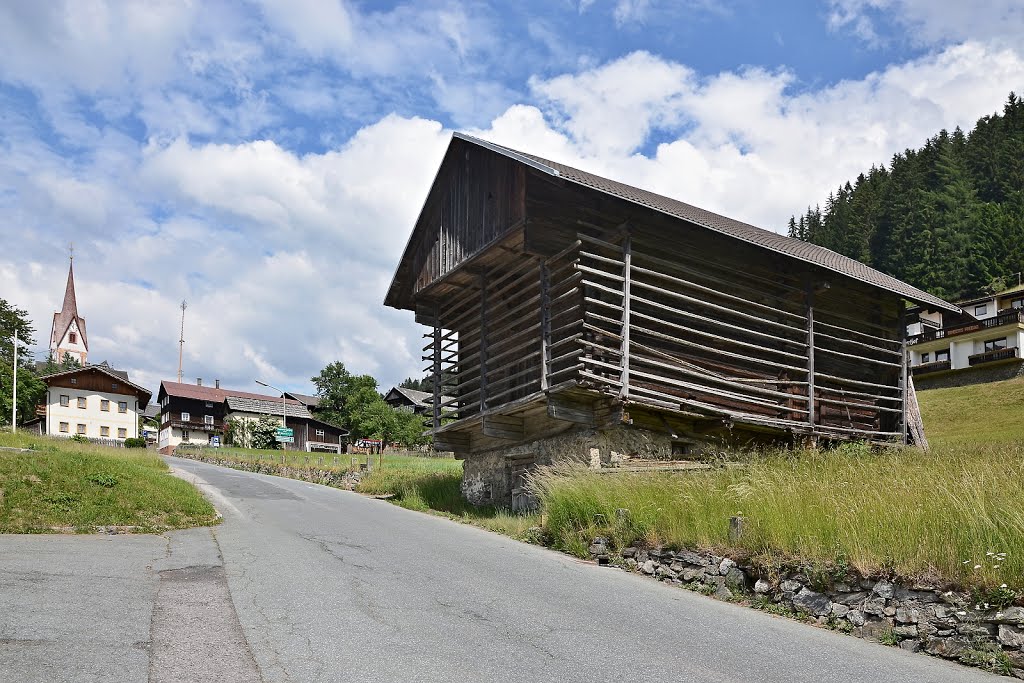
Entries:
{"x":735,"y":528}
{"x":627,"y":258}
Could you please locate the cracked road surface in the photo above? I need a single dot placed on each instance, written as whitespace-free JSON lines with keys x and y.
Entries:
{"x":330,"y":586}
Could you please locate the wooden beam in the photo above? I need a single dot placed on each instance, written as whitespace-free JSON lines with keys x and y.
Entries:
{"x":809,"y":301}
{"x":904,"y":376}
{"x":452,"y":441}
{"x":570,"y":409}
{"x":545,"y":326}
{"x":483,"y":344}
{"x":436,"y":374}
{"x":627,"y":257}
{"x":503,"y":427}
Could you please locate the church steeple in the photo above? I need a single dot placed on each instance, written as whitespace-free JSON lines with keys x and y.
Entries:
{"x":68,"y":337}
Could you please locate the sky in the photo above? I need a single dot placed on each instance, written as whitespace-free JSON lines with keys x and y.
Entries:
{"x":265,"y":160}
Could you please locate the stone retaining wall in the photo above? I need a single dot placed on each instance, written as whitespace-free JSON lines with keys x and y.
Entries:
{"x":917,"y":618}
{"x":342,"y":479}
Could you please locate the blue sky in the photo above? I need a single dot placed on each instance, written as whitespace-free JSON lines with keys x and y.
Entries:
{"x":265,"y":160}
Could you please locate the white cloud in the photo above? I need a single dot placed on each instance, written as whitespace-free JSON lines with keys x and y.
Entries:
{"x":927,"y":22}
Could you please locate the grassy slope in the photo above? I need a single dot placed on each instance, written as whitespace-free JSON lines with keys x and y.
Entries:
{"x":932,"y":516}
{"x":69,"y":486}
{"x":980,"y":413}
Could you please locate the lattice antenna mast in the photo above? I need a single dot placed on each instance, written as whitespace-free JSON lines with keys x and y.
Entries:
{"x":181,"y":340}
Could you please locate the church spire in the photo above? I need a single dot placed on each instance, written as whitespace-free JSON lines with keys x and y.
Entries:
{"x":67,"y":337}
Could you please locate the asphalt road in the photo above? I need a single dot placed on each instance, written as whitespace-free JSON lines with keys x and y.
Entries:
{"x":326,"y":585}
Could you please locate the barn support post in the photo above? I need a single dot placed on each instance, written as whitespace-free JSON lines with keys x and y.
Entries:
{"x":903,"y":371}
{"x":483,"y":343}
{"x":545,"y":325}
{"x":627,"y":258}
{"x":436,"y":370}
{"x":809,"y":300}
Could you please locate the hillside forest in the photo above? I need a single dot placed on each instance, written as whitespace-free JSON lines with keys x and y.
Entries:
{"x":947,"y":218}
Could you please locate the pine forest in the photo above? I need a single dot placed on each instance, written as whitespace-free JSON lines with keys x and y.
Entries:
{"x":947,"y":218}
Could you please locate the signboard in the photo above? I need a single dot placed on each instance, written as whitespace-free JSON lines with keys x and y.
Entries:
{"x":284,"y":431}
{"x":285,"y":439}
{"x":215,"y":441}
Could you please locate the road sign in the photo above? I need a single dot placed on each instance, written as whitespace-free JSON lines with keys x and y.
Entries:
{"x":285,"y":439}
{"x":284,"y":431}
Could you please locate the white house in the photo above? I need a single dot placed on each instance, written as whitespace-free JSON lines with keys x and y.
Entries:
{"x":989,"y":332}
{"x":96,"y":402}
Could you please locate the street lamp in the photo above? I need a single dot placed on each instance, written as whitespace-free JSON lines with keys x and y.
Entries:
{"x":284,"y":416}
{"x":13,"y":402}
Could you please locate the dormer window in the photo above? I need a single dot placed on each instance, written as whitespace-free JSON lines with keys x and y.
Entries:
{"x":980,"y":309}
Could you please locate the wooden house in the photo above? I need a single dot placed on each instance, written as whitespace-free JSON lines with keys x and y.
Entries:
{"x":575,"y":316}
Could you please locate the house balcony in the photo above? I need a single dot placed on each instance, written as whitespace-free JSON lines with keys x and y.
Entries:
{"x":994,"y":355}
{"x":195,"y":425}
{"x":1010,"y":317}
{"x":936,"y":366}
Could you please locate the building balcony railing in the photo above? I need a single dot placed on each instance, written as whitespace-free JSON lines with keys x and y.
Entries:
{"x":1010,"y":317}
{"x":936,"y":366}
{"x":197,"y":425}
{"x":994,"y":355}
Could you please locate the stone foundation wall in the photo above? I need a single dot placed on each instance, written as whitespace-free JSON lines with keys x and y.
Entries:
{"x":487,"y":477}
{"x":980,"y":374}
{"x":946,"y":624}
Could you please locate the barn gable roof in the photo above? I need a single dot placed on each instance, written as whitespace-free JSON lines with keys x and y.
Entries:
{"x":745,"y":232}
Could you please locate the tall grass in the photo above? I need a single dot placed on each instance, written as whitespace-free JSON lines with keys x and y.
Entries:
{"x":67,"y":486}
{"x":930,"y":517}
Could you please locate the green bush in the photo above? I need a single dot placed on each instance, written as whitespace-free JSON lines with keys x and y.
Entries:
{"x":135,"y":443}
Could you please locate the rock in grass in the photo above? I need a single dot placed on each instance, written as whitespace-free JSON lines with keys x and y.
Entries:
{"x":736,"y":579}
{"x":725,"y":565}
{"x":1011,"y":636}
{"x":762,"y":587}
{"x":856,"y":617}
{"x":647,"y":567}
{"x":812,"y":602}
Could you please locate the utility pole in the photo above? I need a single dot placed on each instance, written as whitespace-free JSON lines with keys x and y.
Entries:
{"x":181,"y":340}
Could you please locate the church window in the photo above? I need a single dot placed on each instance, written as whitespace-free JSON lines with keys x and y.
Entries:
{"x":73,"y":338}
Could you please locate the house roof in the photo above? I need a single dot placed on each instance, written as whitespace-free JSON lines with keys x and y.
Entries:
{"x":68,"y":313}
{"x":745,"y":232}
{"x":416,"y":397}
{"x":304,"y":399}
{"x":201,"y":393}
{"x":143,"y":394}
{"x":267,"y":405}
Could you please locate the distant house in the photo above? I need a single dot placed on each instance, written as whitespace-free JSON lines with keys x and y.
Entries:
{"x":96,"y":402}
{"x":195,"y":414}
{"x":410,"y":400}
{"x":981,"y":343}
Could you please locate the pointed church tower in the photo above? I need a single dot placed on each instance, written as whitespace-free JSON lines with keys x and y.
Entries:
{"x":68,"y":338}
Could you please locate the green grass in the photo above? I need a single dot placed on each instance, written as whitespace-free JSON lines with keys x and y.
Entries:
{"x":931,"y":517}
{"x":978,"y":413}
{"x":68,"y":486}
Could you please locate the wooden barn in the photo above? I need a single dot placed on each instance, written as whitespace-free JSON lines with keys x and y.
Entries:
{"x":577,"y":317}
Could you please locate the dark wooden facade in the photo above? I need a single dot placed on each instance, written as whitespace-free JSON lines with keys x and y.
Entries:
{"x":560,"y":298}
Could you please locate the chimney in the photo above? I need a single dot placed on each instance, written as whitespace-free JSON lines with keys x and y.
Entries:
{"x":216,"y":383}
{"x":199,"y":381}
